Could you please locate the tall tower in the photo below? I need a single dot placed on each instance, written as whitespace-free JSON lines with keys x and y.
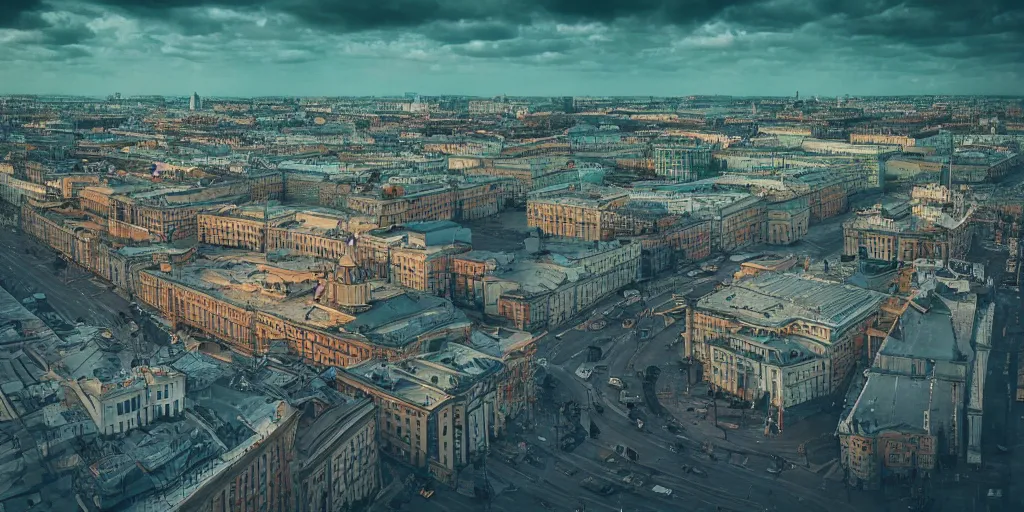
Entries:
{"x":349,"y":288}
{"x":195,"y":102}
{"x":797,"y":95}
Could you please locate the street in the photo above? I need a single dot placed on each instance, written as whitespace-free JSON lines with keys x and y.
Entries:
{"x":704,"y":469}
{"x":27,"y":267}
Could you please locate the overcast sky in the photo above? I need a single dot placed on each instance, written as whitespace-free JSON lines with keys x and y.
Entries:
{"x":514,"y":47}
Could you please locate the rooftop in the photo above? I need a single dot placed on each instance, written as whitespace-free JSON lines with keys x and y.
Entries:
{"x":590,"y":195}
{"x":922,"y":335}
{"x":284,"y":288}
{"x":559,"y":260}
{"x":782,"y":350}
{"x":776,"y":299}
{"x":428,"y":380}
{"x":898,"y":402}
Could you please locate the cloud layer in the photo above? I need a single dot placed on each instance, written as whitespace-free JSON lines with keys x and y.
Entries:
{"x":661,"y":47}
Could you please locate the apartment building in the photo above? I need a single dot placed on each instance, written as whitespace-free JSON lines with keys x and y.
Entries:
{"x":401,"y":203}
{"x":974,"y":165}
{"x":338,"y":461}
{"x":738,"y":219}
{"x":788,"y":220}
{"x":739,"y":224}
{"x":517,"y":392}
{"x":69,"y":185}
{"x":752,"y":367}
{"x":688,"y":240}
{"x":539,"y":290}
{"x":17,"y":192}
{"x":566,"y":211}
{"x":328,"y":316}
{"x":437,"y":410}
{"x":820,"y":330}
{"x":161,"y":213}
{"x":309,"y":231}
{"x":682,"y":163}
{"x":827,"y":194}
{"x":665,"y":238}
{"x":80,"y":240}
{"x":902,"y":141}
{"x":921,"y":395}
{"x":934,"y":230}
{"x":231,"y":227}
{"x":416,"y":255}
{"x":529,"y":174}
{"x":143,"y":396}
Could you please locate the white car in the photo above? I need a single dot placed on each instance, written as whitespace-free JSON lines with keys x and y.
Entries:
{"x":664,"y":491}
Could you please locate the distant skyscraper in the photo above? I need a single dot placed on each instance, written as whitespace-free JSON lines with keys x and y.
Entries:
{"x":195,"y":102}
{"x":567,"y":105}
{"x":797,"y":95}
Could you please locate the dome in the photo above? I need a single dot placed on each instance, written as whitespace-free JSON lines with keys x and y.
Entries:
{"x":347,"y":261}
{"x":349,"y":272}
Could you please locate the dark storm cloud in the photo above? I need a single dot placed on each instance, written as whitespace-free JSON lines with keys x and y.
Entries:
{"x":513,"y":48}
{"x":464,"y":32}
{"x":359,"y":15}
{"x":619,"y":36}
{"x":67,"y":36}
{"x":20,"y":14}
{"x":907,"y":21}
{"x":923,"y":22}
{"x":71,"y":52}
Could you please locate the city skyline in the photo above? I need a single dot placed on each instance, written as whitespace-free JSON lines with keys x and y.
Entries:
{"x":535,"y":48}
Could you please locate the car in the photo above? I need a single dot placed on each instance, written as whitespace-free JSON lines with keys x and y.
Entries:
{"x":566,"y":470}
{"x":597,"y":487}
{"x":426,"y":493}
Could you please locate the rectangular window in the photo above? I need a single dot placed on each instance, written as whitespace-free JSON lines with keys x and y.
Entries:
{"x":120,"y":408}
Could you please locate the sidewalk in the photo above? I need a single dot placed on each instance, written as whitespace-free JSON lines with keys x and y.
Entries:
{"x":748,"y":437}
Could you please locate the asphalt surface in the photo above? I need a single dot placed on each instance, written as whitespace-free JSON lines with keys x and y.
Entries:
{"x":27,"y":267}
{"x":737,"y":481}
{"x":1003,"y":421}
{"x":731,"y":480}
